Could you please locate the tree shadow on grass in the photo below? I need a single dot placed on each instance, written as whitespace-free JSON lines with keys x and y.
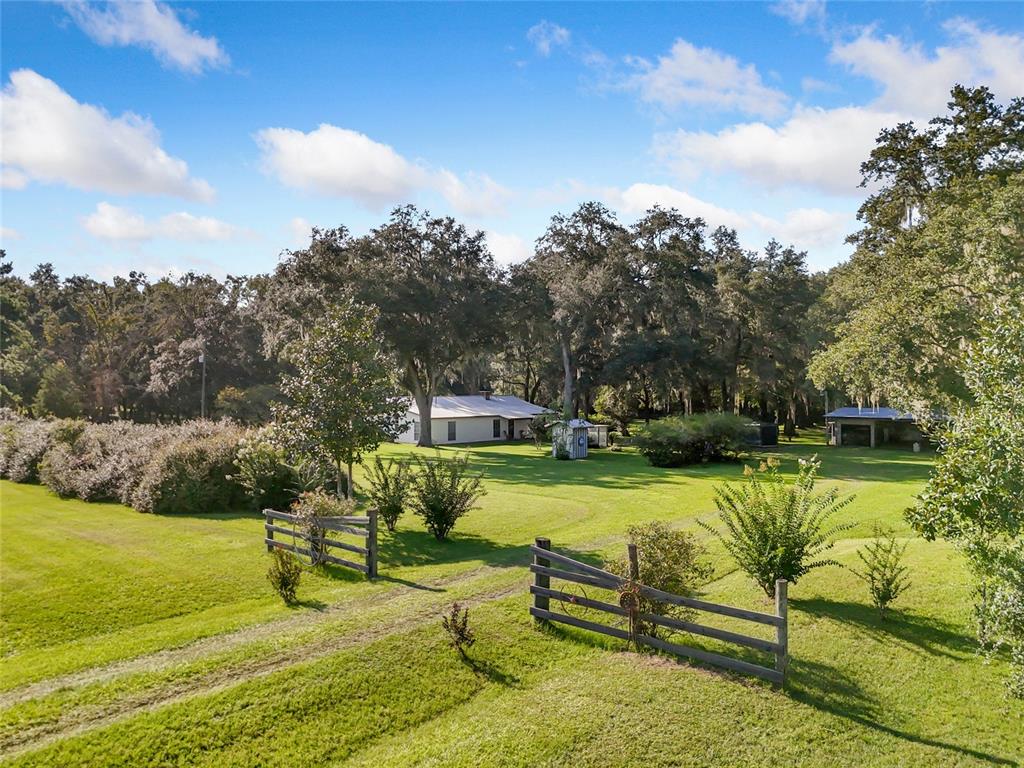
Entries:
{"x":829,"y":690}
{"x":405,"y":548}
{"x":933,"y":636}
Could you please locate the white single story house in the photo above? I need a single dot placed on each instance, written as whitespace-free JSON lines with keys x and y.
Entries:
{"x":474,"y":419}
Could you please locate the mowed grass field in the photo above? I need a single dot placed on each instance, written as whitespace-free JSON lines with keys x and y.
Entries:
{"x":136,"y":640}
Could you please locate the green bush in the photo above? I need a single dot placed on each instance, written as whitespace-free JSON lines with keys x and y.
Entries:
{"x":389,"y":487}
{"x":677,"y":441}
{"x":884,"y":572}
{"x":669,"y":560}
{"x":192,"y":476}
{"x":263,"y":472}
{"x":284,"y":574}
{"x":445,"y":491}
{"x":775,"y":530}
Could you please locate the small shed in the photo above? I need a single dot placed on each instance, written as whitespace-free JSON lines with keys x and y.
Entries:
{"x":597,"y":436}
{"x":573,"y":436}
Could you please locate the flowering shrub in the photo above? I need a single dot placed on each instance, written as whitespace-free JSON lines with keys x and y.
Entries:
{"x":192,"y":475}
{"x":262,"y":470}
{"x":26,"y":441}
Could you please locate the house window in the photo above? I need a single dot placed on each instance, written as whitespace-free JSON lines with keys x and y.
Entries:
{"x":451,"y":431}
{"x":497,"y":427}
{"x":416,"y":431}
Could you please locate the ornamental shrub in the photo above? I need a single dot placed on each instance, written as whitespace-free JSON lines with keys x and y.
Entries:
{"x":389,"y":488}
{"x":669,"y":560}
{"x":775,"y":530}
{"x":883,"y":572}
{"x":455,"y":622}
{"x":284,"y":574}
{"x":263,"y":472}
{"x":310,"y":508}
{"x":445,"y":490}
{"x":192,"y":475}
{"x":27,"y":442}
{"x":677,"y":441}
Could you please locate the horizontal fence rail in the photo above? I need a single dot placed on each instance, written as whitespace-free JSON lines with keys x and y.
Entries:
{"x":548,"y":565}
{"x":317,"y":545}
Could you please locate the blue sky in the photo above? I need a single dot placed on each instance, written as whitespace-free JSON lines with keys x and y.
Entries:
{"x":210,"y":136}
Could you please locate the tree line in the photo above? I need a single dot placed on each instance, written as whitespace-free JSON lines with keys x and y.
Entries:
{"x":661,"y":316}
{"x":632,"y":321}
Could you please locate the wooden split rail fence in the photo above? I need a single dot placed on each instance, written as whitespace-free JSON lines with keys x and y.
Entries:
{"x":317,"y":547}
{"x":548,"y":565}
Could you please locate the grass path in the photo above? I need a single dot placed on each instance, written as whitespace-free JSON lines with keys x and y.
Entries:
{"x":175,"y":652}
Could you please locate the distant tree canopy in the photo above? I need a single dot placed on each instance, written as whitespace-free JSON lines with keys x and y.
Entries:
{"x":625,"y":321}
{"x":943,"y":239}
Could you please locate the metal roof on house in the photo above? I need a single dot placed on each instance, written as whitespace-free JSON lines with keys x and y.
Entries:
{"x":468,"y":406}
{"x":877,"y":414}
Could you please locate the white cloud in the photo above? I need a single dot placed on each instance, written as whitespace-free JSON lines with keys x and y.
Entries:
{"x":816,"y":148}
{"x":806,"y":228}
{"x":338,"y":162}
{"x":151,"y":25}
{"x":300,"y":229}
{"x":917,"y":82}
{"x":801,"y":12}
{"x":476,"y":195}
{"x":8,"y":233}
{"x":638,"y":198}
{"x":110,"y":222}
{"x":12,"y":179}
{"x":508,"y":249}
{"x":546,"y":36}
{"x":47,"y":136}
{"x":692,"y":76}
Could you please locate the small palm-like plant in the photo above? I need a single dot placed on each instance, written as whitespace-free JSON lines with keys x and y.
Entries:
{"x":884,"y":572}
{"x":775,"y":530}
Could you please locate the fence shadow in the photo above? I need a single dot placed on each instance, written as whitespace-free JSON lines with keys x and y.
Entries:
{"x":830,"y":690}
{"x":932,"y":636}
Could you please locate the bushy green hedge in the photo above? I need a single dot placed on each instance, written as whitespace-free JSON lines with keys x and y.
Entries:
{"x":677,"y":441}
{"x":191,"y":477}
{"x":181,"y":467}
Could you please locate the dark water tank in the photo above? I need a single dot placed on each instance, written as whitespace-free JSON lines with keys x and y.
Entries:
{"x":762,"y":434}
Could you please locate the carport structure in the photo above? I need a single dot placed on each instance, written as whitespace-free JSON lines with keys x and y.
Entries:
{"x":883,"y":425}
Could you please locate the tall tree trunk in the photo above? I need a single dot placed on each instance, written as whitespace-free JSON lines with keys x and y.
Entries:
{"x":351,"y":484}
{"x":568,"y":404}
{"x":340,"y":490}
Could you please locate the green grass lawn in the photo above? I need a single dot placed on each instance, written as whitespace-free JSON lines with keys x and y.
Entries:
{"x":132,"y":639}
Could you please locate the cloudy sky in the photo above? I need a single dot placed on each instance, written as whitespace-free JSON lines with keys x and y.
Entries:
{"x":210,"y":137}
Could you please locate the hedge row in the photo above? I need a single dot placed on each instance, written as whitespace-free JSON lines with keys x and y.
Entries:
{"x":186,"y":468}
{"x":674,"y":442}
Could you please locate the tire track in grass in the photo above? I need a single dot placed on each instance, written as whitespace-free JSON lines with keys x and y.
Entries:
{"x":224,"y":678}
{"x":207,"y":646}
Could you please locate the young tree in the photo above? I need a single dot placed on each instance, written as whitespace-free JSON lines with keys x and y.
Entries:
{"x":341,"y":400}
{"x":973,"y":497}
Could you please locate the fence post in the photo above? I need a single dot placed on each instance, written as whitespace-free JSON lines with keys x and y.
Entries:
{"x":371,"y":545}
{"x":267,"y":532}
{"x":634,"y":563}
{"x":782,"y":630}
{"x":542,"y":602}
